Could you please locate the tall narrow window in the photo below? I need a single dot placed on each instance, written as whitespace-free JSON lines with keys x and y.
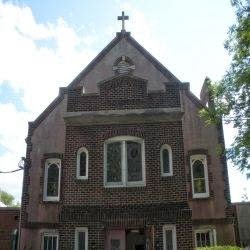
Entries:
{"x":205,"y":237}
{"x":52,"y":179}
{"x":169,"y":237}
{"x":82,"y":163}
{"x":166,"y":160}
{"x":199,"y":176}
{"x":124,"y":161}
{"x":50,"y":241}
{"x":81,"y":238}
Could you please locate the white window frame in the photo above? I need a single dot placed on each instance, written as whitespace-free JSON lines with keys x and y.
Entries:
{"x":203,"y":159}
{"x":170,"y":156}
{"x":212,"y":235}
{"x":173,"y":229}
{"x":49,"y":162}
{"x":50,"y":234}
{"x":124,"y":182}
{"x":78,"y":176}
{"x":81,"y":229}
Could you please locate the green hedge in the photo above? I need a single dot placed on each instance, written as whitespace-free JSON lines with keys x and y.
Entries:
{"x":219,"y":248}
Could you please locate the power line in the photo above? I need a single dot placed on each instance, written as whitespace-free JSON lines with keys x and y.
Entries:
{"x":20,"y":166}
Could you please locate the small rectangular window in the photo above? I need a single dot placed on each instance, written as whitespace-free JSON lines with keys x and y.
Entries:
{"x":115,"y":244}
{"x":169,"y":237}
{"x":81,"y":238}
{"x":205,"y":237}
{"x":50,"y":241}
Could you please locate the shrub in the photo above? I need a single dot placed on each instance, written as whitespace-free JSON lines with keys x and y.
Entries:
{"x":219,"y":248}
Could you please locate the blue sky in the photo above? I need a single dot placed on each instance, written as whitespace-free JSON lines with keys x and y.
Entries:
{"x":47,"y":43}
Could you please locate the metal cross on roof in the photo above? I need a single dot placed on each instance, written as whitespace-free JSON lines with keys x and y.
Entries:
{"x":123,"y":18}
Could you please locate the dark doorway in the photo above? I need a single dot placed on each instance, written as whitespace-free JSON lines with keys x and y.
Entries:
{"x":135,"y":239}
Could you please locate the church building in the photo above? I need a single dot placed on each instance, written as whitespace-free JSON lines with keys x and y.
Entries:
{"x":121,"y":160}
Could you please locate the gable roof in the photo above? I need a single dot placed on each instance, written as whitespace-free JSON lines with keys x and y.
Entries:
{"x":91,"y":65}
{"x":133,"y":42}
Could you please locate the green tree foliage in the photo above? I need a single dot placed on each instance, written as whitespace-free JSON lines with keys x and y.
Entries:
{"x":231,"y":96}
{"x":8,"y":199}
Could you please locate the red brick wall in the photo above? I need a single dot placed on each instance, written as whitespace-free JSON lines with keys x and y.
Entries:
{"x":9,"y":221}
{"x":124,"y":93}
{"x":93,"y":192}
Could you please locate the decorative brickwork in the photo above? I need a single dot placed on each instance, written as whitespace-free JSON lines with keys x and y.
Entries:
{"x":124,"y":92}
{"x":100,"y":219}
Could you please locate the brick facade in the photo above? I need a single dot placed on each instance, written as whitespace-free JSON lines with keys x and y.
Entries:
{"x":124,"y":105}
{"x":9,"y":222}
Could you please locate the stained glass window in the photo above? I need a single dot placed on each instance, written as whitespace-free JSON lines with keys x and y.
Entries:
{"x":114,"y":166}
{"x":199,"y":176}
{"x":124,"y":161}
{"x":83,"y":164}
{"x":134,"y":161}
{"x":53,"y":180}
{"x":166,"y":160}
{"x":51,"y":187}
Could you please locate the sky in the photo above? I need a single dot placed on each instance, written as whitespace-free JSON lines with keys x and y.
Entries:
{"x":45,"y":44}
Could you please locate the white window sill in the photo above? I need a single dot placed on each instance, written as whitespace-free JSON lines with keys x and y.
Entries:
{"x":139,"y":184}
{"x":53,"y":199}
{"x":200,"y":196}
{"x":82,"y":177}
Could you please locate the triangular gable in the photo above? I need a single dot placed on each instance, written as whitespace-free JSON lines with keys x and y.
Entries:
{"x":164,"y":74}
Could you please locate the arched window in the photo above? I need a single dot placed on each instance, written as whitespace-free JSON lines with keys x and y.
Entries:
{"x":82,"y":163}
{"x":124,"y":161}
{"x":52,"y":179}
{"x":199,"y":176}
{"x":166,"y":160}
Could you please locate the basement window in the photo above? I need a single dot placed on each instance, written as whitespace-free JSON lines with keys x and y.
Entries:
{"x":124,"y":162}
{"x":52,"y":177}
{"x":205,"y":237}
{"x":82,"y":164}
{"x":199,"y":175}
{"x":50,"y":241}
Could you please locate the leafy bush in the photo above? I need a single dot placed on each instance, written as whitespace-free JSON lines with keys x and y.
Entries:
{"x":219,"y":248}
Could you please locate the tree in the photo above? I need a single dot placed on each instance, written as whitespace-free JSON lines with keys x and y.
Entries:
{"x":8,"y":199}
{"x":231,"y":95}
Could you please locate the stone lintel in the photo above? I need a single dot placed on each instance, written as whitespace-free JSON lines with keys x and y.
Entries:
{"x":123,"y":116}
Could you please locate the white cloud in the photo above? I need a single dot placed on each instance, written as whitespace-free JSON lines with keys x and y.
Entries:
{"x":28,"y":63}
{"x":39,"y":70}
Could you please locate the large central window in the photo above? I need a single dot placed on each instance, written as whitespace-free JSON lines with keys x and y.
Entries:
{"x":124,"y":161}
